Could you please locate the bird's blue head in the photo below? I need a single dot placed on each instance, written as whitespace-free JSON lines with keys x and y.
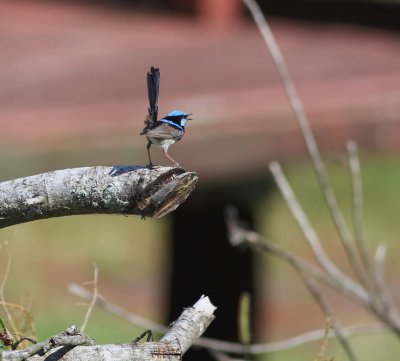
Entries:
{"x":176,"y":118}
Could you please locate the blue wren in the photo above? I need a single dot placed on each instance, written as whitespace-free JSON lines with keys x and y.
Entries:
{"x":167,"y":130}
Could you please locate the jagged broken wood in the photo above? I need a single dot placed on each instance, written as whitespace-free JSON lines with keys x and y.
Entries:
{"x":115,"y":190}
{"x":183,"y":332}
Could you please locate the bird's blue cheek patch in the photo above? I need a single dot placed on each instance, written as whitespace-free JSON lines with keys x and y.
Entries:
{"x":177,"y":126}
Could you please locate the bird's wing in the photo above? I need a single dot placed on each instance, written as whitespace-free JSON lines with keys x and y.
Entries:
{"x":165,"y":131}
{"x":162,"y":131}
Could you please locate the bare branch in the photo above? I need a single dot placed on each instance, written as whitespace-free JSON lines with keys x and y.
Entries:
{"x":329,"y":267}
{"x":238,"y":235}
{"x":94,"y":297}
{"x":383,"y":302}
{"x":326,"y":309}
{"x":220,"y":356}
{"x":117,"y":310}
{"x":355,"y":172}
{"x":69,"y":338}
{"x":113,"y":190}
{"x":385,"y":311}
{"x":308,"y":136}
{"x":226,"y":346}
{"x":10,"y":320}
{"x":290,"y":343}
{"x":255,"y":240}
{"x":322,"y":348}
{"x":379,"y":262}
{"x":382,"y":298}
{"x":315,"y":335}
{"x":189,"y":326}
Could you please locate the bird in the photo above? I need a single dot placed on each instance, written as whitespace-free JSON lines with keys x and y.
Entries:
{"x":165,"y":131}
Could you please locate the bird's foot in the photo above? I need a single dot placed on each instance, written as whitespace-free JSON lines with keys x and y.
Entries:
{"x":148,"y":334}
{"x":177,"y":165}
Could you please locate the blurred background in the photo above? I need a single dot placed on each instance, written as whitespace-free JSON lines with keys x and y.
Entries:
{"x":73,"y":93}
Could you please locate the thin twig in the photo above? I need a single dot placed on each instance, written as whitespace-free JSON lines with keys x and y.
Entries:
{"x":379,"y":263}
{"x":180,"y":336}
{"x":312,"y":238}
{"x":380,"y":293}
{"x":383,"y":302}
{"x":389,"y":316}
{"x":309,"y":138}
{"x":94,"y":298}
{"x":70,"y":337}
{"x":257,"y":241}
{"x":389,"y":311}
{"x":220,"y":356}
{"x":117,"y":310}
{"x":355,"y":172}
{"x":316,"y":335}
{"x":11,"y":323}
{"x":226,"y":346}
{"x":239,"y":235}
{"x":326,"y":309}
{"x":322,"y":348}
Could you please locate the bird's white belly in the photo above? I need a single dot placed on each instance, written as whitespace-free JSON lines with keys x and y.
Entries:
{"x":163,"y":143}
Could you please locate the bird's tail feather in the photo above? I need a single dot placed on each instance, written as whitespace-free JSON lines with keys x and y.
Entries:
{"x":153,"y":84}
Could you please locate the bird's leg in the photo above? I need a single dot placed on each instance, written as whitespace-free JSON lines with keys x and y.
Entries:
{"x":171,"y":159}
{"x":148,"y":152}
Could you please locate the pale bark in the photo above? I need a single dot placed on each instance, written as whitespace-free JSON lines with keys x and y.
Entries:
{"x":183,"y":332}
{"x":113,"y":190}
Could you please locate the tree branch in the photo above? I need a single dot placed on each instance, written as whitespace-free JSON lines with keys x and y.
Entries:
{"x":226,"y":346}
{"x":312,"y":239}
{"x":116,"y":310}
{"x":113,"y":190}
{"x":67,"y":345}
{"x":326,"y":309}
{"x":311,"y":143}
{"x":233,"y":227}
